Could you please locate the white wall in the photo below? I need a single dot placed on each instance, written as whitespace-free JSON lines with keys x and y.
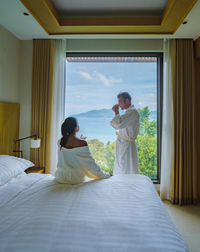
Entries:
{"x":9,"y":66}
{"x":16,"y":79}
{"x":113,"y":45}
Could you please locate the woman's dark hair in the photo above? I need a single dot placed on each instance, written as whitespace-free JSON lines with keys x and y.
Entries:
{"x":67,"y":128}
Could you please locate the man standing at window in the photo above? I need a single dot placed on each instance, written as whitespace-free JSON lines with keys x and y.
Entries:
{"x":126,"y":158}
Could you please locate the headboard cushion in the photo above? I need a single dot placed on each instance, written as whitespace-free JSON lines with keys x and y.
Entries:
{"x":9,"y":127}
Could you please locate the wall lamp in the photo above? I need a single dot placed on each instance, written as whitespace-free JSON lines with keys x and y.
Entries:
{"x":34,"y":140}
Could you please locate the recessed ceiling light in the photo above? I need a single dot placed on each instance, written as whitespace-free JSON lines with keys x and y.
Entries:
{"x":26,"y":14}
{"x":185,"y":22}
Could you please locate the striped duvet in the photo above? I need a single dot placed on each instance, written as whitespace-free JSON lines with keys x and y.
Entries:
{"x":122,"y":213}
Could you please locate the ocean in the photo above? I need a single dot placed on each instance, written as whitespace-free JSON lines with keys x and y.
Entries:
{"x":96,"y":124}
{"x":98,"y":128}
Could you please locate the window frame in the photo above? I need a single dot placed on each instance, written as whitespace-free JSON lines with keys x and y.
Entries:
{"x":159,"y":56}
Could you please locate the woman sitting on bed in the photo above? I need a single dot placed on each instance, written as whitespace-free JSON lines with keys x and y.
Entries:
{"x":75,"y":160}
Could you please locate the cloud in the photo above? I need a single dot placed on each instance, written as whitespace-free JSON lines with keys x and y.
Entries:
{"x":146,"y":100}
{"x":106,"y":81}
{"x":141,"y":87}
{"x":86,"y":75}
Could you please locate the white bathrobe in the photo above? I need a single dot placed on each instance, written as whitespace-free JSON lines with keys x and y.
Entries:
{"x":126,"y":158}
{"x":74,"y":164}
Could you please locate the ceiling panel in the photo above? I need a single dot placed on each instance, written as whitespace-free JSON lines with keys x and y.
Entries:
{"x":105,"y":7}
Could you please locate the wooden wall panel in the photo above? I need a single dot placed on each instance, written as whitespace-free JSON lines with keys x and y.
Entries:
{"x":9,"y":127}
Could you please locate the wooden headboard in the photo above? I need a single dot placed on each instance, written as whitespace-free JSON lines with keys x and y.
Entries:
{"x":9,"y":127}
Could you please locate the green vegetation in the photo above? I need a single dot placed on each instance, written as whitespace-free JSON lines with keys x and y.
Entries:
{"x":146,"y":143}
{"x":103,"y":154}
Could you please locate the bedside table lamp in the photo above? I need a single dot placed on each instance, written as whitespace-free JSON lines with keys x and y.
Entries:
{"x":35,"y":143}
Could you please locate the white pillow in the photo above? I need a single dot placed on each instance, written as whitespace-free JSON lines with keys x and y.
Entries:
{"x":11,"y":166}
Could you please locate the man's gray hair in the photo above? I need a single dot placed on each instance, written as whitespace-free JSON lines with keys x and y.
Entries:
{"x":125,"y":95}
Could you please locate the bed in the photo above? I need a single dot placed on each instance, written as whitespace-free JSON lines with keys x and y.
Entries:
{"x":122,"y":213}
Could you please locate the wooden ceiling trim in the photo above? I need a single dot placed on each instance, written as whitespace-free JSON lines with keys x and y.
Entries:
{"x":52,"y":10}
{"x":177,"y":14}
{"x":33,"y":12}
{"x":146,"y":21}
{"x":43,"y":12}
{"x":126,"y":29}
{"x":167,"y":10}
{"x":47,"y":16}
{"x":191,"y":5}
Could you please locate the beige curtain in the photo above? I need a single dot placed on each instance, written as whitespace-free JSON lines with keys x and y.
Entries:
{"x":184,"y":169}
{"x":42,"y":83}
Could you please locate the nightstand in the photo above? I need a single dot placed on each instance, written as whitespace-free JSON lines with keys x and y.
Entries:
{"x":35,"y":170}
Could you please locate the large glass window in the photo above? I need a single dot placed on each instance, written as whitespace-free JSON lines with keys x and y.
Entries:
{"x":92,"y":84}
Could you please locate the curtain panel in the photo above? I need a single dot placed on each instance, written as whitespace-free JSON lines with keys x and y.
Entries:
{"x":184,"y":169}
{"x":58,"y":102}
{"x":197,"y":107}
{"x":41,"y":110}
{"x":167,"y":150}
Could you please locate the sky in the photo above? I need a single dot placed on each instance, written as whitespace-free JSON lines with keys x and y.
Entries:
{"x":92,"y":86}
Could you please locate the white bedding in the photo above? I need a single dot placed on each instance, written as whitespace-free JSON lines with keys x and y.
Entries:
{"x":122,"y":213}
